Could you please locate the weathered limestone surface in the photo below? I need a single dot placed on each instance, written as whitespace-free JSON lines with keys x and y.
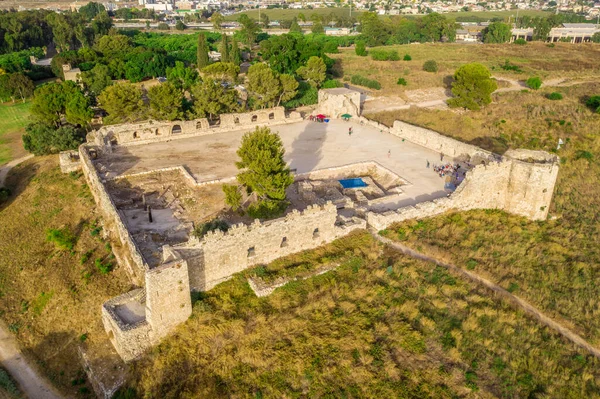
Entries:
{"x":154,"y":131}
{"x":69,"y":161}
{"x":336,"y":102}
{"x":220,"y":255}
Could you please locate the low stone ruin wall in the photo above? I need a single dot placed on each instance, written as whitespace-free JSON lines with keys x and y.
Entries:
{"x":156,"y":131}
{"x":384,"y":176}
{"x":131,"y":257}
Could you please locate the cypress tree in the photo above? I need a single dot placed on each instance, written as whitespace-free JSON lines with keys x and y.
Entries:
{"x":202,"y":51}
{"x":235,"y":56}
{"x":224,"y":49}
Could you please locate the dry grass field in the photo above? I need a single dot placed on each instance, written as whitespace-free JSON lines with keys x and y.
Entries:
{"x":381,"y":325}
{"x":553,"y":264}
{"x":13,"y":119}
{"x":49,"y":297}
{"x":564,"y":60}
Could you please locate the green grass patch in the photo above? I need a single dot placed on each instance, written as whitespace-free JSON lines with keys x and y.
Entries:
{"x":13,"y":119}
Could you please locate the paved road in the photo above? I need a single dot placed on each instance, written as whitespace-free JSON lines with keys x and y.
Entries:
{"x":30,"y":382}
{"x":6,"y":168}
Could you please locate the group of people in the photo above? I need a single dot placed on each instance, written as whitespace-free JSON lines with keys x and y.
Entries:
{"x":447,"y":170}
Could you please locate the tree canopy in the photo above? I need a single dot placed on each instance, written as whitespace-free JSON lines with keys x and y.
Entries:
{"x":123,"y":102}
{"x":314,"y":71}
{"x":166,"y":102}
{"x":43,"y":139}
{"x":472,"y":87}
{"x":497,"y":32}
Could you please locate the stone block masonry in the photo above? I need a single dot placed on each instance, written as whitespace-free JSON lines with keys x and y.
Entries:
{"x":156,"y":131}
{"x":219,"y":255}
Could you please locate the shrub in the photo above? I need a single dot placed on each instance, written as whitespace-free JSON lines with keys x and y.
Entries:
{"x":402,"y":82}
{"x":384,"y":55}
{"x":163,"y":26}
{"x":472,"y":87}
{"x":266,"y":209}
{"x":4,"y":194}
{"x":594,"y":103}
{"x":430,"y":66}
{"x":215,"y":224}
{"x":509,"y":67}
{"x":8,"y":384}
{"x":103,"y":268}
{"x":407,"y":57}
{"x":307,"y":95}
{"x":581,"y":154}
{"x":554,"y":96}
{"x":362,"y":81}
{"x":61,"y":238}
{"x":360,"y":48}
{"x":233,"y":197}
{"x":520,"y":42}
{"x":534,"y":83}
{"x":331,"y":84}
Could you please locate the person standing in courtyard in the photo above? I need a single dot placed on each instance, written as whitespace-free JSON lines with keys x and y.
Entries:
{"x":389,"y":153}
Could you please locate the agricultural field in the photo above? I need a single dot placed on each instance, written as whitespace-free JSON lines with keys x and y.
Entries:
{"x":563,"y":61}
{"x":52,"y":285}
{"x":13,"y":119}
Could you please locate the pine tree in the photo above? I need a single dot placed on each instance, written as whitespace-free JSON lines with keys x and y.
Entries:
{"x":224,"y":49}
{"x":202,"y":51}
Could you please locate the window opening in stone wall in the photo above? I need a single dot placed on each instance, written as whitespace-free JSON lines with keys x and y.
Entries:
{"x":284,"y":242}
{"x":198,"y":125}
{"x":176,"y":129}
{"x":254,"y":118}
{"x":236,"y":120}
{"x":251,"y":252}
{"x":135,"y":135}
{"x":156,"y":132}
{"x":316,"y":233}
{"x":272,"y":115}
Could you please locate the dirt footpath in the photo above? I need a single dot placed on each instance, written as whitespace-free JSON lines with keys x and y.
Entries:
{"x":30,"y":382}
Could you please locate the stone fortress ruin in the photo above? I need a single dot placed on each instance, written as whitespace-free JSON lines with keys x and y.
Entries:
{"x":155,"y":181}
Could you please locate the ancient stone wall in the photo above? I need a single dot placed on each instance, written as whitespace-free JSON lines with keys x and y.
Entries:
{"x":220,"y":255}
{"x":336,"y":102}
{"x":130,"y":257}
{"x":168,"y":301}
{"x":155,"y":131}
{"x":516,"y":186}
{"x":130,"y":340}
{"x":69,"y":161}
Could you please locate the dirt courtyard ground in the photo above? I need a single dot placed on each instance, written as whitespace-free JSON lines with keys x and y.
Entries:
{"x":309,"y":146}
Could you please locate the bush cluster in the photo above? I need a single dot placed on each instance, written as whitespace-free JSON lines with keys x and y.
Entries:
{"x":266,"y":209}
{"x":215,"y":224}
{"x":407,"y":57}
{"x":362,"y":81}
{"x":430,"y":66}
{"x":520,"y":42}
{"x":534,"y":83}
{"x":402,"y":82}
{"x":331,"y":84}
{"x":554,"y":96}
{"x":384,"y":55}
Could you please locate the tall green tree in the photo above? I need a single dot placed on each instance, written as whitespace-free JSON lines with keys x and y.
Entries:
{"x":217,"y":21}
{"x":314,"y":71}
{"x":212,"y":99}
{"x":166,"y":102}
{"x":289,"y":88}
{"x":294,"y":27}
{"x":77,"y":109}
{"x":97,"y":79}
{"x":179,"y":25}
{"x":123,"y":102}
{"x":263,"y":170}
{"x":317,"y":28}
{"x":373,"y":31}
{"x":182,"y":77}
{"x":91,"y":9}
{"x":50,"y":101}
{"x":224,"y":49}
{"x":263,"y":85}
{"x":497,"y":32}
{"x":249,"y":29}
{"x":360,"y":48}
{"x":222,"y":71}
{"x":19,"y":86}
{"x":472,"y":87}
{"x":236,"y":55}
{"x":43,"y":139}
{"x":202,"y":52}
{"x":436,"y":27}
{"x":101,"y":24}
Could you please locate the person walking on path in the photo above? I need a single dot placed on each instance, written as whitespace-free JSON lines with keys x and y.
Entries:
{"x":427,"y":164}
{"x":349,"y":131}
{"x":389,"y":153}
{"x":441,"y":156}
